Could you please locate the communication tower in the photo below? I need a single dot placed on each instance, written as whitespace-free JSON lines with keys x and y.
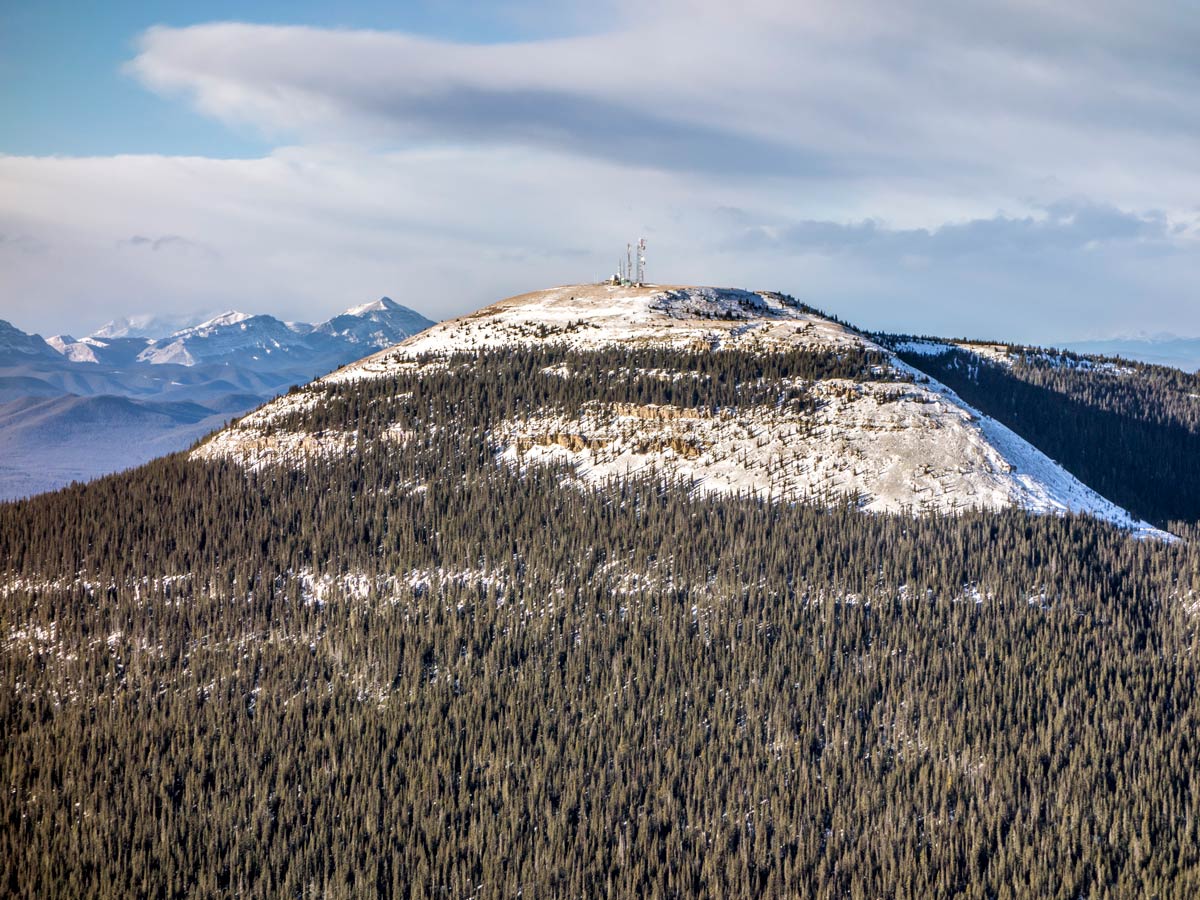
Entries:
{"x":632,"y":269}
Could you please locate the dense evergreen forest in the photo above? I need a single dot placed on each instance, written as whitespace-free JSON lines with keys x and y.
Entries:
{"x":412,"y":671}
{"x":1128,"y":430}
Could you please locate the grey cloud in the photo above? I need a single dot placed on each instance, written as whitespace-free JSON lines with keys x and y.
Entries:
{"x":170,"y":242}
{"x":587,"y":126}
{"x":21,"y":243}
{"x":447,"y":233}
{"x":996,"y":90}
{"x":541,"y":255}
{"x":1064,"y":228}
{"x":1040,"y":278}
{"x":579,"y":97}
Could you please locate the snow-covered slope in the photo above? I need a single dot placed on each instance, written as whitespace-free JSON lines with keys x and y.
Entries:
{"x":896,"y":447}
{"x":594,"y":316}
{"x":895,"y":442}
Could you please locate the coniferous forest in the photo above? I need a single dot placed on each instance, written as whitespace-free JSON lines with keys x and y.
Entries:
{"x":411,"y":670}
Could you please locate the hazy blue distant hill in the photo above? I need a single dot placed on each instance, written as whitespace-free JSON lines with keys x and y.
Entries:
{"x":18,"y":347}
{"x":1162,"y":350}
{"x":46,"y":442}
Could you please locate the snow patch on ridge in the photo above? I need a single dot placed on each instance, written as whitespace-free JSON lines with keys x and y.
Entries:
{"x":256,"y":443}
{"x":383,"y":304}
{"x":998,"y":353}
{"x":75,"y":351}
{"x":229,"y":317}
{"x":894,"y":447}
{"x":923,"y":348}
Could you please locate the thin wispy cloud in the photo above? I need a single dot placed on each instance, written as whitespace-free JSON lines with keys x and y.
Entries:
{"x":1061,"y":228}
{"x":170,"y":243}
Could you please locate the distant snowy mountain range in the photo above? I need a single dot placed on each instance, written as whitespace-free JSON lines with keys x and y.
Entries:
{"x":240,"y":338}
{"x":142,"y":386}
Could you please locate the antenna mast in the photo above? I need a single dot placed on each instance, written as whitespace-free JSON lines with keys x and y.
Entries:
{"x":627,"y":274}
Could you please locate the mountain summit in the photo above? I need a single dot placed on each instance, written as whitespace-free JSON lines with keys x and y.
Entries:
{"x":374,"y":325}
{"x":853,"y":421}
{"x":383,"y":304}
{"x":231,"y":336}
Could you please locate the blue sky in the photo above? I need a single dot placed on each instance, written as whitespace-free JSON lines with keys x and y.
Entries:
{"x":1009,"y":170}
{"x":68,"y":93}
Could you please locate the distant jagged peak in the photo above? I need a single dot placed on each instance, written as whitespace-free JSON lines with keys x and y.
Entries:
{"x":383,"y":304}
{"x":229,"y":317}
{"x":111,"y":329}
{"x":14,"y":340}
{"x":162,"y":330}
{"x":144,"y":325}
{"x":383,"y":309}
{"x":381,"y":323}
{"x":59,"y":341}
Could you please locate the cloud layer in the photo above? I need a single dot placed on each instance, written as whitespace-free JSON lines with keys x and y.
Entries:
{"x":1007,"y":95}
{"x":990,"y":170}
